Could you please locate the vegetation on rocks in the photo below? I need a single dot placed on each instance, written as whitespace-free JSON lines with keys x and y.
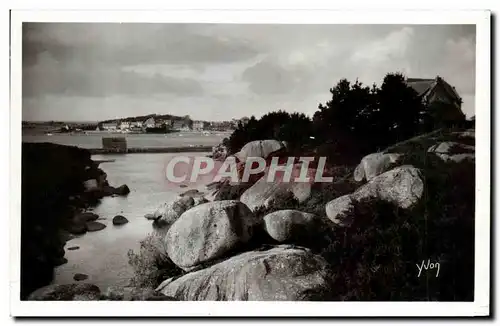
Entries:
{"x":151,"y":264}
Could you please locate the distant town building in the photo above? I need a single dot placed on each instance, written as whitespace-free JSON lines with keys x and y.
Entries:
{"x":149,"y":123}
{"x":198,"y":125}
{"x":180,"y":125}
{"x":163,"y":122}
{"x":110,"y":126}
{"x":124,"y":125}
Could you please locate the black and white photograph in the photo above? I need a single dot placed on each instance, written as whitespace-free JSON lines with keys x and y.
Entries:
{"x":190,"y":161}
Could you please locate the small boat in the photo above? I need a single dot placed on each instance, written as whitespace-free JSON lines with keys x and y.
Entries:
{"x":48,"y":134}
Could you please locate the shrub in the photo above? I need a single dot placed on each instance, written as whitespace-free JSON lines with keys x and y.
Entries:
{"x":152,"y":264}
{"x":376,"y":258}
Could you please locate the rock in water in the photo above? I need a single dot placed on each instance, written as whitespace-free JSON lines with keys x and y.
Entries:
{"x":374,"y":164}
{"x":86,"y":217}
{"x":67,"y":292}
{"x":119,"y":220}
{"x":402,"y":186}
{"x":291,"y":225}
{"x":209,"y":231}
{"x":122,"y":190}
{"x":95,"y":226}
{"x":284,"y":273}
{"x":80,"y":277}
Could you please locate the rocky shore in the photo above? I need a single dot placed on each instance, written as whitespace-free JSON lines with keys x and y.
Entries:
{"x":59,"y":184}
{"x":358,"y":237}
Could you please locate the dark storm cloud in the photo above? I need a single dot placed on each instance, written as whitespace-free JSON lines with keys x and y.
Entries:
{"x":229,"y":70}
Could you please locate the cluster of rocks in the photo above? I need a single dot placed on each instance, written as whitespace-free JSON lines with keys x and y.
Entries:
{"x":229,"y":251}
{"x":59,"y":183}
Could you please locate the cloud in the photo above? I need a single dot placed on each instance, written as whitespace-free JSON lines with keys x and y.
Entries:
{"x":393,"y":46}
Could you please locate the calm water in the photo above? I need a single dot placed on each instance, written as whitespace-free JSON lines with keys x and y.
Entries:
{"x":94,"y":140}
{"x":103,"y":254}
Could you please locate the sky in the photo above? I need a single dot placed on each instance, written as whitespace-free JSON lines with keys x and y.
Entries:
{"x":98,"y":71}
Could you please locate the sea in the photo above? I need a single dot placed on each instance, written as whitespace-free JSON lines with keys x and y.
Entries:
{"x":102,"y":255}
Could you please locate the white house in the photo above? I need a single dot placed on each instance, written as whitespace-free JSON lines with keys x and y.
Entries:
{"x":124,"y":125}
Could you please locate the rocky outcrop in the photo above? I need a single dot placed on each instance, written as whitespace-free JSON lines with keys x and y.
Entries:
{"x":281,"y":273}
{"x":374,"y":164}
{"x":67,"y":292}
{"x":209,"y":231}
{"x":402,"y":186}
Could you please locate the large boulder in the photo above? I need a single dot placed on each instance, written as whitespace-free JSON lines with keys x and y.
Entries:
{"x":260,"y":148}
{"x":209,"y":231}
{"x":339,"y":210}
{"x":292,"y":226}
{"x":67,"y":292}
{"x":374,"y":164}
{"x":284,"y":273}
{"x":263,"y":192}
{"x":402,"y":186}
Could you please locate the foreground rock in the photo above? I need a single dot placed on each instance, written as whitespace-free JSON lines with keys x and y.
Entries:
{"x":209,"y":231}
{"x":119,"y":220}
{"x":402,"y":186}
{"x":374,"y":164}
{"x":94,"y":226}
{"x":284,"y":273}
{"x":292,"y":226}
{"x":67,"y":292}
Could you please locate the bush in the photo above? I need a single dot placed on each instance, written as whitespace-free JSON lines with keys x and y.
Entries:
{"x":152,"y":264}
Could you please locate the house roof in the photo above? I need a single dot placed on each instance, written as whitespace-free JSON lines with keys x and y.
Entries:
{"x":423,"y":85}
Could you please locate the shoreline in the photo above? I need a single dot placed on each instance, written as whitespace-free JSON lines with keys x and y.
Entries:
{"x":183,"y":149}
